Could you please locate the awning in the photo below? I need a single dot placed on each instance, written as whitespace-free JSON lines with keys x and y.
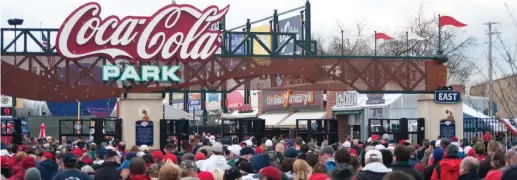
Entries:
{"x":237,"y":115}
{"x":272,"y":119}
{"x":173,"y":113}
{"x":290,"y":122}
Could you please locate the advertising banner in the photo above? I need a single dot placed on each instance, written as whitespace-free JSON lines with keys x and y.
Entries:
{"x":236,"y":40}
{"x":266,"y":39}
{"x":375,"y":99}
{"x":213,"y":101}
{"x":291,"y":100}
{"x":194,"y":102}
{"x":178,"y":100}
{"x":290,"y":25}
{"x":346,"y":99}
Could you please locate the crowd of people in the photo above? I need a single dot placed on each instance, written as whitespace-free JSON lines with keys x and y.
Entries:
{"x":205,"y":158}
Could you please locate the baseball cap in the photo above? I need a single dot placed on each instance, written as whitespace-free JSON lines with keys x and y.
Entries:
{"x":235,"y":149}
{"x":188,"y":164}
{"x":110,"y":153}
{"x":326,"y":150}
{"x":232,"y":174}
{"x":204,"y":175}
{"x":217,"y":147}
{"x":144,"y":148}
{"x":245,"y":165}
{"x":48,"y":155}
{"x":69,"y":158}
{"x":246,"y":151}
{"x":373,"y":154}
{"x":269,"y":172}
{"x":269,"y":143}
{"x":347,"y":144}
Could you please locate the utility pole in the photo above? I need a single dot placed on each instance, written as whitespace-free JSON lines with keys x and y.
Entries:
{"x":489,"y":84}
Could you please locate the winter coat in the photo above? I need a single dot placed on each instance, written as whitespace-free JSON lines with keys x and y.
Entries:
{"x":108,"y":170}
{"x":213,"y":162}
{"x":469,"y":176}
{"x":372,"y":171}
{"x":404,"y":166}
{"x":48,"y":169}
{"x":19,"y":175}
{"x":485,"y":166}
{"x":428,"y":170}
{"x":449,"y":168}
{"x":412,"y":162}
{"x":494,"y":175}
{"x":72,"y":173}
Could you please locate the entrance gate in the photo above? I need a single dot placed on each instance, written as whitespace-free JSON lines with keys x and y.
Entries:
{"x":245,"y":127}
{"x":11,"y":130}
{"x":173,"y":129}
{"x":74,"y":129}
{"x":404,"y":128}
{"x":317,"y":129}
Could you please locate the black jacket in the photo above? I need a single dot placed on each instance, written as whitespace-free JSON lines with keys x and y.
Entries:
{"x":469,"y":176}
{"x":405,"y":167}
{"x":72,"y":173}
{"x":108,"y":170}
{"x":48,"y":169}
{"x":485,"y":166}
{"x":369,"y":175}
{"x":428,"y":170}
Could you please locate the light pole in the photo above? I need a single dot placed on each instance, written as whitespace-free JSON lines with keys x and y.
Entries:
{"x":342,"y":43}
{"x":14,"y":22}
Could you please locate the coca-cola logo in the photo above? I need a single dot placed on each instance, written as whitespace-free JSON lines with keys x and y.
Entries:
{"x":181,"y":31}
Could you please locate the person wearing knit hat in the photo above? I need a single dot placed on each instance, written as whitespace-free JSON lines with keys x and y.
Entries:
{"x":437,"y":156}
{"x":270,"y":173}
{"x":32,"y":174}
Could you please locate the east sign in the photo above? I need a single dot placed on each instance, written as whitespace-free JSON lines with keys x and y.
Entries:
{"x":447,"y":97}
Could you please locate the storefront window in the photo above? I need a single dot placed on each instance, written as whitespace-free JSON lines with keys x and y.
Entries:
{"x":375,"y":126}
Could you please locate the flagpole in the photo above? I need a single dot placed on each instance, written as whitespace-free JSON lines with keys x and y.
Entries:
{"x":407,"y":43}
{"x":375,"y":42}
{"x":439,"y":36}
{"x":41,"y":49}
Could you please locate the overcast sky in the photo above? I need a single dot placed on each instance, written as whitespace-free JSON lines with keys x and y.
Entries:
{"x":380,"y":15}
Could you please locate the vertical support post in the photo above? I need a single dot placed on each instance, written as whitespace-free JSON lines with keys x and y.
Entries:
{"x":185,"y":101}
{"x":247,"y":91}
{"x":203,"y":107}
{"x":275,"y":29}
{"x":308,"y":21}
{"x":342,"y":43}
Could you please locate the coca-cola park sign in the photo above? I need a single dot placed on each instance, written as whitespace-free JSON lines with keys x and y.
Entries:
{"x":181,"y":31}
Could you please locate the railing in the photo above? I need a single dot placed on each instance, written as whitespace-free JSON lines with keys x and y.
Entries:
{"x":475,"y":128}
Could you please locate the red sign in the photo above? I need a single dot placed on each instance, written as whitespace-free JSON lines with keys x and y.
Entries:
{"x":6,"y":111}
{"x":181,"y":31}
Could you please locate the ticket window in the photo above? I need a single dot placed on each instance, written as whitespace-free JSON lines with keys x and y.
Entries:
{"x":354,"y":125}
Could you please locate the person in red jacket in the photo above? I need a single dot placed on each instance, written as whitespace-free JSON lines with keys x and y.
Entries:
{"x":449,"y":168}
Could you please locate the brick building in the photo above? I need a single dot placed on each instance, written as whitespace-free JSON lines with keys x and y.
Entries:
{"x":504,"y":94}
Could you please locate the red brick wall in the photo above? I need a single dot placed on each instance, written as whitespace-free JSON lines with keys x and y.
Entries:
{"x":331,"y":101}
{"x":342,"y":126}
{"x":259,"y":96}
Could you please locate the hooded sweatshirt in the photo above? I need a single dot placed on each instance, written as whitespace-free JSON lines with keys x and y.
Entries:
{"x":331,"y":164}
{"x":213,"y":162}
{"x":48,"y":169}
{"x":449,"y":168}
{"x":374,"y":170}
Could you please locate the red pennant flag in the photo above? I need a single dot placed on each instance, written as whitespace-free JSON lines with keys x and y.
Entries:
{"x":382,"y":36}
{"x":447,"y":20}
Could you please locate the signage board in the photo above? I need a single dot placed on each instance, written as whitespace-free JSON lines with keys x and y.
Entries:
{"x":6,"y":101}
{"x":291,"y":100}
{"x":176,"y":30}
{"x":213,"y":101}
{"x":447,"y":97}
{"x":194,"y":101}
{"x":375,"y":99}
{"x":447,"y":129}
{"x":7,"y":111}
{"x":290,"y":25}
{"x":346,"y":99}
{"x":266,"y":39}
{"x":144,"y":133}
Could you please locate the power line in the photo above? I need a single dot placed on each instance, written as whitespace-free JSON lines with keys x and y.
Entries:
{"x":490,"y":68}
